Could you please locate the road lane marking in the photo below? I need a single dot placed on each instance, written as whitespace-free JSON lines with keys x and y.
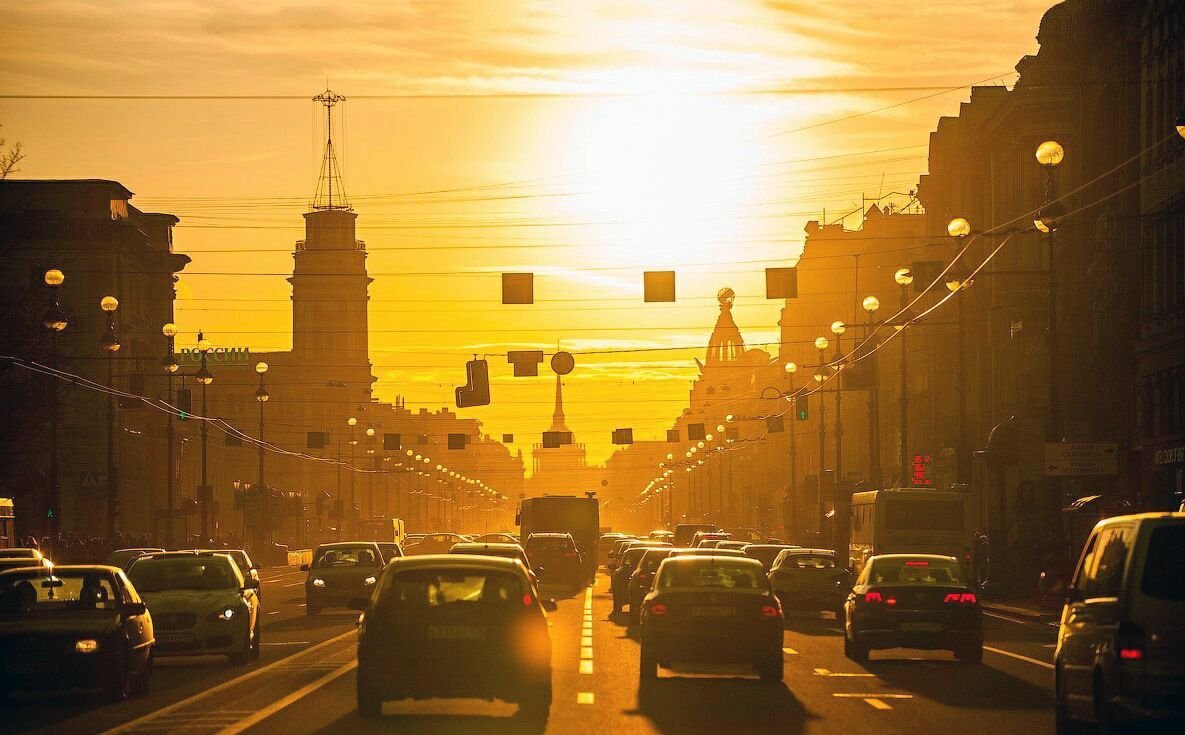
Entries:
{"x":287,"y":660}
{"x":273,"y":612}
{"x":849,"y":695}
{"x":283,"y":702}
{"x":288,"y":643}
{"x":825,"y":672}
{"x":586,"y":667}
{"x":789,"y":652}
{"x":585,"y":698}
{"x":294,"y":584}
{"x":1019,"y":657}
{"x":586,"y":652}
{"x":877,"y":703}
{"x":586,"y":641}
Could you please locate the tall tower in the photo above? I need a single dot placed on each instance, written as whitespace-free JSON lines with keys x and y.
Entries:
{"x":329,"y":280}
{"x":558,"y":421}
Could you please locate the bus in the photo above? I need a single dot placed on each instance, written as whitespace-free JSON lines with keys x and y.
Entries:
{"x":381,"y":529}
{"x":7,"y":524}
{"x":579,"y":516}
{"x":909,"y":521}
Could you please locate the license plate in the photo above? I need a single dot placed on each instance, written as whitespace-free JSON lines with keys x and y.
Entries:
{"x":713,"y":612}
{"x":456,"y":632}
{"x":174,"y":637}
{"x":921,"y":627}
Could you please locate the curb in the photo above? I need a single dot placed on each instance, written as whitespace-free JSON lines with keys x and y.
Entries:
{"x":1021,"y":615}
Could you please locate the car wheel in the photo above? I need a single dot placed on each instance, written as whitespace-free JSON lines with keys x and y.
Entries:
{"x":144,"y":680}
{"x":1064,"y":724}
{"x":240,"y":658}
{"x":311,"y":609}
{"x":970,"y":653}
{"x":370,"y":703}
{"x":648,"y":665}
{"x":256,"y":641}
{"x":535,"y":704}
{"x":771,"y":669}
{"x":119,"y":686}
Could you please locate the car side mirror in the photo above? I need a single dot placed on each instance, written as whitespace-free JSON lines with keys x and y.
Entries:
{"x":549,"y":605}
{"x":304,"y":567}
{"x":358,"y":603}
{"x":132,"y":609}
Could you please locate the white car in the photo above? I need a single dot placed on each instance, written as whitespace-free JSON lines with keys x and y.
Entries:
{"x":200,"y":603}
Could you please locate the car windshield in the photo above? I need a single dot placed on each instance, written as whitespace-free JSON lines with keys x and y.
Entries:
{"x":22,"y":595}
{"x":915,"y":571}
{"x":1164,"y":574}
{"x":503,"y":553}
{"x":183,"y":573}
{"x":712,"y":573}
{"x":807,"y":561}
{"x":346,"y":556}
{"x":434,"y":588}
{"x":652,"y":558}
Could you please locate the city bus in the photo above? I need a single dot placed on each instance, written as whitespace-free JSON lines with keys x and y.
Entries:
{"x":380,"y":529}
{"x":579,"y":516}
{"x":909,"y":521}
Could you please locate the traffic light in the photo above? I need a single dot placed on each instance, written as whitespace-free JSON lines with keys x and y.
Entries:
{"x":476,"y":391}
{"x":800,"y":408}
{"x":184,"y":403}
{"x":51,"y":512}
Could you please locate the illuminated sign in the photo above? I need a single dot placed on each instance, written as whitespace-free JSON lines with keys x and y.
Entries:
{"x":236,"y":355}
{"x":921,"y":470}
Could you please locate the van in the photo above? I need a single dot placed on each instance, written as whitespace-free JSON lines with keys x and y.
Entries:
{"x":1120,"y":655}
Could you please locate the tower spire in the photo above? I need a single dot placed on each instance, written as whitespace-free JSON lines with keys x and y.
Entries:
{"x":557,"y":417}
{"x":330,"y":178}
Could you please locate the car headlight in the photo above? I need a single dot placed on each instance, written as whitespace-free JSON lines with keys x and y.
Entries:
{"x":221,"y":615}
{"x":369,"y":581}
{"x":86,"y":645}
{"x":318,"y":582}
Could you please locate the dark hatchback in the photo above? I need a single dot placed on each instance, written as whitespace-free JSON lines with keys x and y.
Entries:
{"x":711,"y":609}
{"x":555,"y":559}
{"x":913,"y":601}
{"x":74,"y":627}
{"x":455,"y":626}
{"x":619,"y":582}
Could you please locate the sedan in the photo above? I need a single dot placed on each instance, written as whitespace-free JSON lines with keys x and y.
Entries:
{"x":74,"y":627}
{"x":808,"y":579}
{"x":913,"y":601}
{"x":642,"y":580}
{"x":505,"y":551}
{"x":25,"y":563}
{"x":455,"y":626}
{"x":766,"y":553}
{"x":341,"y":572}
{"x":435,"y":543}
{"x":200,"y":605}
{"x":123,"y":558}
{"x":711,"y":609}
{"x":620,"y":581}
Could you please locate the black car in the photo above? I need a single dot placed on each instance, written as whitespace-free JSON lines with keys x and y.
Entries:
{"x":341,"y":572}
{"x":643,"y":579}
{"x":711,"y":609}
{"x":556,"y":560}
{"x":69,"y":627}
{"x":766,"y":553}
{"x":913,"y":601}
{"x":455,"y":626}
{"x":619,"y":583}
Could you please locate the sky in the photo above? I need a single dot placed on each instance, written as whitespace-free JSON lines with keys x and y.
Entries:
{"x":583,"y":141}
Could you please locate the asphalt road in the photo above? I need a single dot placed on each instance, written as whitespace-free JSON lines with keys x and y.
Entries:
{"x":304,"y":683}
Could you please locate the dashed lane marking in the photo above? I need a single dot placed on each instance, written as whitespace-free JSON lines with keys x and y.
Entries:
{"x":825,"y":672}
{"x":283,"y":702}
{"x":586,"y":640}
{"x":1019,"y":657}
{"x":585,"y":698}
{"x":586,"y":652}
{"x":789,"y":652}
{"x":586,"y":666}
{"x":850,"y":695}
{"x":877,"y":703}
{"x":287,"y":643}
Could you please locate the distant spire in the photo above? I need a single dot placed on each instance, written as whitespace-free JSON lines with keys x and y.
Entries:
{"x":726,"y":343}
{"x":557,"y":417}
{"x":331,"y":193}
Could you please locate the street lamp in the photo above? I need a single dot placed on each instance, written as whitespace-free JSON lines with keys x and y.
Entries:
{"x":352,"y":422}
{"x":168,"y":363}
{"x":821,"y":344}
{"x":262,"y":396}
{"x":54,"y":320}
{"x":205,"y":377}
{"x":792,"y":368}
{"x":110,"y":344}
{"x":957,"y":227}
{"x":1050,"y":154}
{"x":871,"y":304}
{"x":904,"y":279}
{"x":838,"y":328}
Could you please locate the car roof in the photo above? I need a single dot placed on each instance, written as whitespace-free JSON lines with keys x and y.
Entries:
{"x":711,"y":559}
{"x":478,"y":546}
{"x":345,"y":544}
{"x":549,"y":534}
{"x":891,"y":557}
{"x":830,"y":552}
{"x":1140,"y":517}
{"x":447,"y":561}
{"x":65,"y":568}
{"x":701,"y":551}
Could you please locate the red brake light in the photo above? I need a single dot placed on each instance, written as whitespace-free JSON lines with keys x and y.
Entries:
{"x":961,"y":598}
{"x":917,"y":563}
{"x":769,"y":611}
{"x":571,"y":554}
{"x":528,"y":600}
{"x":891,"y":600}
{"x":658,"y":609}
{"x":1131,"y":654}
{"x":873,"y":596}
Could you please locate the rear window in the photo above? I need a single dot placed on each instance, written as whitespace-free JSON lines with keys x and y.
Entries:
{"x":184,"y":573}
{"x":346,"y":556}
{"x":730,"y":576}
{"x":425,"y":588}
{"x":923,"y":515}
{"x":550,"y":543}
{"x":1164,"y":572}
{"x":915,"y":571}
{"x":633,"y":555}
{"x":651,"y":559}
{"x":808,"y":561}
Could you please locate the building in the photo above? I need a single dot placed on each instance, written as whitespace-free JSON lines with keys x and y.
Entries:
{"x":559,"y":464}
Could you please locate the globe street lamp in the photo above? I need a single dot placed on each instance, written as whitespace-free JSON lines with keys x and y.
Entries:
{"x":904,"y":278}
{"x":871,"y":304}
{"x":169,"y":364}
{"x":352,"y":422}
{"x":110,"y":344}
{"x":261,"y":395}
{"x":1050,"y":154}
{"x":54,"y":320}
{"x":838,"y":328}
{"x":205,"y":377}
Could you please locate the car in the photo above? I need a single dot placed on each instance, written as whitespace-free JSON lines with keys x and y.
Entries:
{"x":26,"y":562}
{"x":766,"y":553}
{"x":555,"y":558}
{"x":506,"y":551}
{"x":730,"y":544}
{"x":709,"y":552}
{"x":241,"y":559}
{"x":620,"y":581}
{"x":339,"y":572}
{"x":123,"y":558}
{"x":661,"y":535}
{"x":19,"y":552}
{"x":390,"y":550}
{"x":455,"y":625}
{"x":810,"y":579}
{"x":77,"y":626}
{"x":700,"y":537}
{"x":1120,"y":657}
{"x":435,"y":543}
{"x":495,"y":538}
{"x":913,"y":601}
{"x":685,"y":532}
{"x":711,"y":609}
{"x":642,"y":579}
{"x":615,"y":551}
{"x":605,"y":545}
{"x":749,"y":535}
{"x":201,"y":604}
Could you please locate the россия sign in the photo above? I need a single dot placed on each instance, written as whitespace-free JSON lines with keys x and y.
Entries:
{"x":238,"y":355}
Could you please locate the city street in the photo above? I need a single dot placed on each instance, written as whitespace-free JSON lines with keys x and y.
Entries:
{"x":304,"y":683}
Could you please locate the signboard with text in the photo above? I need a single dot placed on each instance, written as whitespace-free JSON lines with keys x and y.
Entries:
{"x":1081,"y":459}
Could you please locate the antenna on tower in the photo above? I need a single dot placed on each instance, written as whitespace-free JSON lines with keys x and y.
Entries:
{"x":330,"y":178}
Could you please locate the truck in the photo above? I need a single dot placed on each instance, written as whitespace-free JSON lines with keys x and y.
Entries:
{"x":382,"y":529}
{"x":579,"y":516}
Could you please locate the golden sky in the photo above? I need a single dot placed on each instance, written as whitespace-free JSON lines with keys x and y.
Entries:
{"x":584,"y":141}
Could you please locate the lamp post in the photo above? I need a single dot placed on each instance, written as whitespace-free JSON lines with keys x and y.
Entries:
{"x":169,"y":365}
{"x":670,"y":502}
{"x":370,"y":477}
{"x":821,"y":344}
{"x":352,"y":422}
{"x":55,"y":321}
{"x":205,"y":377}
{"x":838,"y":328}
{"x":904,"y":279}
{"x":871,"y":304}
{"x":110,"y":343}
{"x":1050,"y":154}
{"x":261,"y":395}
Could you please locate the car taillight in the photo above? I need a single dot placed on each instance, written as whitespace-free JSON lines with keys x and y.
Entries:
{"x":1129,"y":641}
{"x":528,"y":600}
{"x":658,"y":610}
{"x":769,"y":611}
{"x":873,"y":597}
{"x":1131,"y":654}
{"x":961,"y":598}
{"x":571,"y":555}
